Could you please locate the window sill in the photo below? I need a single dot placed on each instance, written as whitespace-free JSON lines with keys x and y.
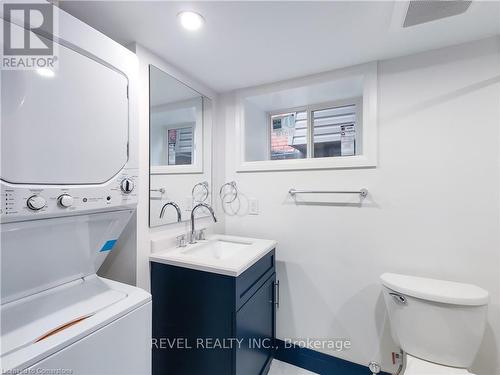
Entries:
{"x":339,"y":162}
{"x":176,"y":169}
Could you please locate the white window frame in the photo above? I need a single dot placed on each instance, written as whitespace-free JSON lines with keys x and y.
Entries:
{"x":368,"y":114}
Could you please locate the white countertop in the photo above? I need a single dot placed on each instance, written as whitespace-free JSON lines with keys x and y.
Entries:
{"x":221,"y":254}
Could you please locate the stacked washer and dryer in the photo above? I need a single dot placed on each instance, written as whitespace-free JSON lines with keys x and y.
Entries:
{"x":68,"y":188}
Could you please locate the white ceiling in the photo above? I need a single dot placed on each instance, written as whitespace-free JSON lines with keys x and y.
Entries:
{"x":248,"y":43}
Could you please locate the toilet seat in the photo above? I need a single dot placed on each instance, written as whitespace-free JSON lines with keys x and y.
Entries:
{"x":416,"y":366}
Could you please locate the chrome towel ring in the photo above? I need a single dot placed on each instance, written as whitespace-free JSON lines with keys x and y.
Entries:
{"x":229,"y":189}
{"x":203,"y":185}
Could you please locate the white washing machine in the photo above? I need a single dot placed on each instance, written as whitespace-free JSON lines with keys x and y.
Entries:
{"x":68,"y":176}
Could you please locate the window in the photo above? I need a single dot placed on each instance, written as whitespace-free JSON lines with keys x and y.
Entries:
{"x":333,"y":130}
{"x":289,"y":135}
{"x":324,"y":121}
{"x":180,"y":145}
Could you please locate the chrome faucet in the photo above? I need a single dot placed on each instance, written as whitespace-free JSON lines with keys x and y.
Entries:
{"x":192,"y":238}
{"x":174,"y":205}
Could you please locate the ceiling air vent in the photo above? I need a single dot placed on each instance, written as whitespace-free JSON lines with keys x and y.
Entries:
{"x":422,"y":11}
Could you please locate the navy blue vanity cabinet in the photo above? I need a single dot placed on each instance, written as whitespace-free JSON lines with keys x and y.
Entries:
{"x":210,"y":324}
{"x":256,"y":329}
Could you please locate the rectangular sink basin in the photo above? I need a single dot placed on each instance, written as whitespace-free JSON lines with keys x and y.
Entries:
{"x":216,"y":250}
{"x":225,"y":255}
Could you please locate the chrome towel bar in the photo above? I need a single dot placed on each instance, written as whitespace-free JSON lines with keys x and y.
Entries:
{"x":362,"y":193}
{"x":160,"y":190}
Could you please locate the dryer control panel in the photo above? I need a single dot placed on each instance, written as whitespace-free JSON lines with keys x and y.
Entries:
{"x":28,"y":202}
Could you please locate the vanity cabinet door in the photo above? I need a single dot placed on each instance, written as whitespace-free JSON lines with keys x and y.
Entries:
{"x":255,"y":325}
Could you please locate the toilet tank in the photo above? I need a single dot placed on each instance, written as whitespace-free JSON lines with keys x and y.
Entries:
{"x":435,"y":320}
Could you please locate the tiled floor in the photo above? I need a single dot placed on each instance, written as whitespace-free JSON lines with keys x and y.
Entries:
{"x":282,"y":368}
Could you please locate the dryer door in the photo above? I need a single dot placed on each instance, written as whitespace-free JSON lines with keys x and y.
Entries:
{"x":64,"y":126}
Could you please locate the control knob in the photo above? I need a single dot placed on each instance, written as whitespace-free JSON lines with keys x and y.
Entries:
{"x":65,"y":200}
{"x":36,"y":202}
{"x":127,"y":185}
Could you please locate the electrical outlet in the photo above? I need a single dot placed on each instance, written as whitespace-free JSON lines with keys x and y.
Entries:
{"x":397,"y":358}
{"x":253,"y":206}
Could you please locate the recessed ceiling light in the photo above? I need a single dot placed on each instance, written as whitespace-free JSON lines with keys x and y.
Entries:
{"x":191,"y":20}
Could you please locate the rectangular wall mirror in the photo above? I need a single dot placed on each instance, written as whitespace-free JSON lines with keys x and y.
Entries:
{"x":180,"y":125}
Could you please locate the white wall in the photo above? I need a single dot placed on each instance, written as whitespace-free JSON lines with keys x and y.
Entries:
{"x":433,"y":208}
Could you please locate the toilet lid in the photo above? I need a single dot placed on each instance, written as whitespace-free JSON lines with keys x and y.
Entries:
{"x":441,"y":291}
{"x":416,"y":366}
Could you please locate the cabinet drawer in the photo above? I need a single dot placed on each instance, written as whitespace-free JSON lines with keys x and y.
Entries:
{"x":253,"y":278}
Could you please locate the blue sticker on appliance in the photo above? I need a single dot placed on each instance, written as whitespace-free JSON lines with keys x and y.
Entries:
{"x":108,"y":245}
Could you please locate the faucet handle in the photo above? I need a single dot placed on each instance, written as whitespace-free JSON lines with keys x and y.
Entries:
{"x":181,"y":240}
{"x":200,"y":235}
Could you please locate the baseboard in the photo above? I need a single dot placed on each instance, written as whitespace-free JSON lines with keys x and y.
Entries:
{"x":267,"y":367}
{"x":317,"y":362}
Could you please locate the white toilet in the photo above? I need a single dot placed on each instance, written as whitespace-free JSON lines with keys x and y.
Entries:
{"x":438,"y":324}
